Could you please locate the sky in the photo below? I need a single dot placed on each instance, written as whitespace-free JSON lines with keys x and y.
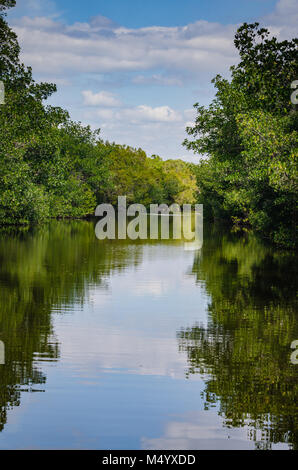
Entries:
{"x":135,"y":69}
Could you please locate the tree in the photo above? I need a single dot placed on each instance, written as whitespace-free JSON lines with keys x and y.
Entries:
{"x":248,"y":180}
{"x":51,"y":166}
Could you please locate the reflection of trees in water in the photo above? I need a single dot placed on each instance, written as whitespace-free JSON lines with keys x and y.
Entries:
{"x":245,"y":349}
{"x":50,"y":267}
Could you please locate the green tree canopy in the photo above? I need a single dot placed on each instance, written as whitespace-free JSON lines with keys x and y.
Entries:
{"x":249,"y":133}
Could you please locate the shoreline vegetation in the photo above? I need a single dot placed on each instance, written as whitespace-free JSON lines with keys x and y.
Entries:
{"x":52,"y":167}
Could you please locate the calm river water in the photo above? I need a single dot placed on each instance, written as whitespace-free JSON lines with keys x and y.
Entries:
{"x":144,"y":345}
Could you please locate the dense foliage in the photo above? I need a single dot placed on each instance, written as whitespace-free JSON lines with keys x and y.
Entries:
{"x":53,"y":167}
{"x":249,"y":133}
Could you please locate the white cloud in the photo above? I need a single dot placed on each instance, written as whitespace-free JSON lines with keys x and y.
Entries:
{"x":103,"y":98}
{"x":101,"y":46}
{"x":158,"y":130}
{"x":284,"y":19}
{"x":147,"y":113}
{"x":136,"y":115}
{"x":286,"y":11}
{"x":51,"y":46}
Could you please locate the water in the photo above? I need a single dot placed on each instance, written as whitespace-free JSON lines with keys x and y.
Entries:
{"x":143,"y":345}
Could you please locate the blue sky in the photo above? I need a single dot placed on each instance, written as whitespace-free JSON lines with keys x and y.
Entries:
{"x":135,"y":68}
{"x":137,"y":13}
